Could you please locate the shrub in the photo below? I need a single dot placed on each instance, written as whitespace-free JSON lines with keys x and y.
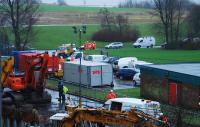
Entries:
{"x":116,"y":35}
{"x":188,"y":44}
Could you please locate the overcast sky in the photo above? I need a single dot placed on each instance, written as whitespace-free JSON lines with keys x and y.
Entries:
{"x":96,"y":2}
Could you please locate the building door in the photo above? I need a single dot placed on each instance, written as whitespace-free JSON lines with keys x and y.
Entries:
{"x":172,"y":93}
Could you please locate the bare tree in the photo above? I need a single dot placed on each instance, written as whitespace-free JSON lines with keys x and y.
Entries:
{"x":135,"y":4}
{"x":4,"y":43}
{"x":107,"y":19}
{"x":121,"y":23}
{"x":61,"y":2}
{"x":20,"y":16}
{"x":170,"y":13}
{"x":193,"y":20}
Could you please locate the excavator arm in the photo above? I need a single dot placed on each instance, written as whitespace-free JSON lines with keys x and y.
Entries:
{"x":105,"y":117}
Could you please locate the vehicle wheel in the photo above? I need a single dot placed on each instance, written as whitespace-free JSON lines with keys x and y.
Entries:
{"x":121,"y":77}
{"x":139,"y":46}
{"x":134,"y":83}
{"x":151,"y":46}
{"x":148,"y":47}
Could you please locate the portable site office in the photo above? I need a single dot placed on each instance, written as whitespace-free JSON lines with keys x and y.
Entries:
{"x":92,"y":73}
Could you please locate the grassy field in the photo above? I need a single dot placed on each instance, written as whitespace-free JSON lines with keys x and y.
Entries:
{"x":50,"y":37}
{"x":157,"y":56}
{"x":56,"y":8}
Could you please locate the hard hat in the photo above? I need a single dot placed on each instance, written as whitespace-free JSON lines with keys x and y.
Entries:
{"x":111,"y":90}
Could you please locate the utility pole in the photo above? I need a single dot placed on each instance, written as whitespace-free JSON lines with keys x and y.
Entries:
{"x":80,"y":30}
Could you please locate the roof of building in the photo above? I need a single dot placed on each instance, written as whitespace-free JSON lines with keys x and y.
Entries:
{"x":184,"y":72}
{"x":87,"y":63}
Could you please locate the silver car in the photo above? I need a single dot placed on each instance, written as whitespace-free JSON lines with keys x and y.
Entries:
{"x":114,"y":45}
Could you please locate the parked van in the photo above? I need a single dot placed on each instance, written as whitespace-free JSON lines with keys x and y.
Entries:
{"x":125,"y":104}
{"x":95,"y":58}
{"x":147,"y":42}
{"x":126,"y":62}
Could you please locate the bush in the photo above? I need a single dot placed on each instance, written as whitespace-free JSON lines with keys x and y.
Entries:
{"x":189,"y":44}
{"x":115,"y":35}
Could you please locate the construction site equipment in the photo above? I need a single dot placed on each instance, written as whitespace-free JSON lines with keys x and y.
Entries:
{"x":52,"y":65}
{"x":27,"y":87}
{"x":16,"y":55}
{"x":59,"y":72}
{"x":65,"y":50}
{"x":125,"y":104}
{"x":105,"y":117}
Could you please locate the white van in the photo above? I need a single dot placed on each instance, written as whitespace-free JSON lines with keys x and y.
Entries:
{"x":125,"y":104}
{"x":95,"y":58}
{"x":126,"y":62}
{"x":147,"y":42}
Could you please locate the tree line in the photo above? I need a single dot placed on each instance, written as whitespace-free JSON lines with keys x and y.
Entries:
{"x":173,"y":22}
{"x":115,"y":27}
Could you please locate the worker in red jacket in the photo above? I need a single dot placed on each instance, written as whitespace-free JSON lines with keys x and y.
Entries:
{"x":111,"y":95}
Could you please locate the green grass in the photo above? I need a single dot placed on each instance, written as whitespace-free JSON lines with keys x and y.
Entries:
{"x":97,"y":93}
{"x":56,"y":8}
{"x":155,"y":55}
{"x":50,"y":37}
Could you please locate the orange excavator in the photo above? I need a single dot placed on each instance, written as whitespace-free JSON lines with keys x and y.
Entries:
{"x":27,"y":86}
{"x":78,"y":116}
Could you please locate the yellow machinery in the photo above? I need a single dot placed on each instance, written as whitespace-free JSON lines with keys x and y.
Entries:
{"x":7,"y":68}
{"x":106,"y":117}
{"x":59,"y":73}
{"x":65,"y":50}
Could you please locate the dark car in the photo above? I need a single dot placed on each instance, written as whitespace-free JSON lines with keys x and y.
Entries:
{"x":112,"y":59}
{"x":127,"y":73}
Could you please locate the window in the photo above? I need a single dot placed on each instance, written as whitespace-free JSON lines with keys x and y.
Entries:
{"x":116,"y":106}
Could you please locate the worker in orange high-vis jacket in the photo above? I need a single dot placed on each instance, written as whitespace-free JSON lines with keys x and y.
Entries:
{"x":111,"y":95}
{"x":95,"y":45}
{"x":61,"y":63}
{"x":86,"y":45}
